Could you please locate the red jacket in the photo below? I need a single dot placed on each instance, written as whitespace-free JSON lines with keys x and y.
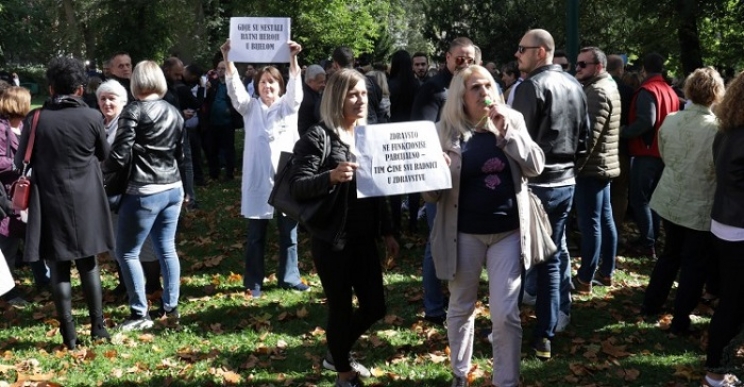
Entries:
{"x":666,"y":102}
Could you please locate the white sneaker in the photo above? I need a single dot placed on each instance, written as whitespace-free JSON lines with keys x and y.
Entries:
{"x":134,"y":323}
{"x":563,"y":321}
{"x":490,"y":337}
{"x":528,"y":299}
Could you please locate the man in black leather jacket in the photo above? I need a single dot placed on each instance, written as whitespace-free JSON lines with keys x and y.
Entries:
{"x":554,"y":107}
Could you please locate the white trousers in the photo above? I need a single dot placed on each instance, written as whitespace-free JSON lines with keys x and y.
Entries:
{"x":500,"y":254}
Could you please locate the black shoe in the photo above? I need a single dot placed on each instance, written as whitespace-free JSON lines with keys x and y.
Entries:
{"x":459,"y":382}
{"x":160,"y":313}
{"x":98,"y":330}
{"x":541,"y":347}
{"x":437,"y":320}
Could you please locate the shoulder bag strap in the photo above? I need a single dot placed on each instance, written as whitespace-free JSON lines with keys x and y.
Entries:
{"x":31,"y":138}
{"x":8,"y":148}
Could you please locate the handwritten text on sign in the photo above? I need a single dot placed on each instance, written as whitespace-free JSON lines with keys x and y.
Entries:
{"x":259,"y":40}
{"x":400,"y":158}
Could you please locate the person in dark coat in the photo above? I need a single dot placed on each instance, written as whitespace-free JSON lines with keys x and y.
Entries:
{"x":68,"y":220}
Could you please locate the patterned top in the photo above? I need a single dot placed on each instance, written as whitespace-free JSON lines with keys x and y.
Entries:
{"x":684,"y":195}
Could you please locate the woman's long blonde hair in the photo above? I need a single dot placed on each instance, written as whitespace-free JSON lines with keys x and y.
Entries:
{"x":454,"y":121}
{"x":334,"y":95}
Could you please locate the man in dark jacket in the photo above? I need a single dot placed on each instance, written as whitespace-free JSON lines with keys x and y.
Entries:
{"x":554,"y":108}
{"x":309,"y":113}
{"x":427,"y":106}
{"x":220,"y":120}
{"x":619,"y":191}
{"x":653,"y":101}
{"x":343,"y":58}
{"x":121,"y":70}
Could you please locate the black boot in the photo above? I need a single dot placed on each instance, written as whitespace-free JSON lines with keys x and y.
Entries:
{"x":61,"y":293}
{"x":90,"y":278}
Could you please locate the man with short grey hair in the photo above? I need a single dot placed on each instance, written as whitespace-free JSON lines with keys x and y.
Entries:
{"x":309,"y":113}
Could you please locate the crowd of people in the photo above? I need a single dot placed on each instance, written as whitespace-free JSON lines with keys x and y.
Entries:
{"x":589,"y":146}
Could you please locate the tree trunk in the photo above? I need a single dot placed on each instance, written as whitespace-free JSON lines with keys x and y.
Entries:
{"x":691,"y":54}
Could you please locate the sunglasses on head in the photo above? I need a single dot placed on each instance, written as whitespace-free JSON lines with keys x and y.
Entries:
{"x":582,"y":64}
{"x":464,"y":61}
{"x":522,"y":49}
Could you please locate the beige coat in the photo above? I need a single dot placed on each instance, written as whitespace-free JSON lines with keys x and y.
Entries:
{"x":526,"y":159}
{"x":603,"y":104}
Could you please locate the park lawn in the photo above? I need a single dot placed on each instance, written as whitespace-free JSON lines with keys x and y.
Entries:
{"x":226,"y":337}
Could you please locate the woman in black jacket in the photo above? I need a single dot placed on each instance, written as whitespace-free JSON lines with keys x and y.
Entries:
{"x":727,"y":226}
{"x":68,"y":216}
{"x":149,"y":140}
{"x":344,"y":247}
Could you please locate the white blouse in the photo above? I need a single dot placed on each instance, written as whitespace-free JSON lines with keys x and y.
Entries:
{"x":269,"y":130}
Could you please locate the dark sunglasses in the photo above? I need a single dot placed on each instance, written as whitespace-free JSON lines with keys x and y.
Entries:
{"x":582,"y":64}
{"x":522,"y":49}
{"x":463,"y":61}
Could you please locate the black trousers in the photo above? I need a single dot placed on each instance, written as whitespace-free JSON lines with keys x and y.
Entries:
{"x":413,"y":209}
{"x":220,"y":139}
{"x":90,"y":278}
{"x":686,"y":252}
{"x":354,"y":270}
{"x":729,"y":316}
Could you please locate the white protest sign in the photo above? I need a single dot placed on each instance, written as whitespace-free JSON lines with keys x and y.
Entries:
{"x":259,"y":39}
{"x":399,"y":158}
{"x":6,"y":279}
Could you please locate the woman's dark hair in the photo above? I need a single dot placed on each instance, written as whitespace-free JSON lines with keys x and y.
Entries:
{"x":401,"y":65}
{"x":406,"y":85}
{"x":512,"y":68}
{"x":65,"y":75}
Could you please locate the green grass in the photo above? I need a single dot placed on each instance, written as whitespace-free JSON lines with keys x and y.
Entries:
{"x":226,"y":337}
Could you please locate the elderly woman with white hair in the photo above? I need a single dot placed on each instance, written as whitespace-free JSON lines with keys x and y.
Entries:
{"x":149,"y":140}
{"x":112,"y":97}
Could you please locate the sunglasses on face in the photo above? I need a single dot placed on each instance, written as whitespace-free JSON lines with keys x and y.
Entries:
{"x":582,"y":64}
{"x":463,"y":61}
{"x":522,"y":49}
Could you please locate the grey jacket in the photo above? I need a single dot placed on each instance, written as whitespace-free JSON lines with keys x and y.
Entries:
{"x":526,"y":159}
{"x":604,"y":107}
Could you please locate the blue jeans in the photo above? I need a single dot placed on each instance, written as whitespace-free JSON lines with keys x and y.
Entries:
{"x":554,"y":275}
{"x":156,"y":216}
{"x":288,"y":273}
{"x":433,"y":296}
{"x":598,"y":234}
{"x":645,"y":172}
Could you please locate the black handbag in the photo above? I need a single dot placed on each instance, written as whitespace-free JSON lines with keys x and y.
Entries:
{"x":306,"y":211}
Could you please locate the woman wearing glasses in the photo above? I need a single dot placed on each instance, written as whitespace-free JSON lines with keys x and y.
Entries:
{"x":486,"y":214}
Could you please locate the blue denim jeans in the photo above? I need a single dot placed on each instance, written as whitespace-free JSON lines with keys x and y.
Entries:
{"x":288,"y":273}
{"x":598,"y":234}
{"x":156,"y":216}
{"x":554,"y":275}
{"x":645,"y":172}
{"x":433,"y":296}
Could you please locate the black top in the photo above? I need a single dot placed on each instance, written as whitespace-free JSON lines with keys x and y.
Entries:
{"x":728,"y":156}
{"x":431,"y":97}
{"x":487,"y":202}
{"x":309,"y":113}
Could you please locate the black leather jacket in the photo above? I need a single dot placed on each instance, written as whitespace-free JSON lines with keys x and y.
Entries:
{"x":554,"y":107}
{"x":351,"y":218}
{"x":151,"y":134}
{"x":728,"y":157}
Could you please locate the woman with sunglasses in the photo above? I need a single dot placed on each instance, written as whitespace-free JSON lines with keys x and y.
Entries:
{"x":486,"y":214}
